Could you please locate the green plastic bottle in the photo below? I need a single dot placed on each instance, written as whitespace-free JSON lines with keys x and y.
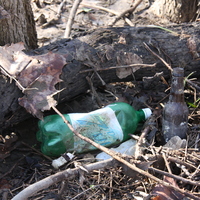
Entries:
{"x":106,"y":126}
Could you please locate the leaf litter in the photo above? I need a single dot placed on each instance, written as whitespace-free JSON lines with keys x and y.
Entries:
{"x":111,"y":183}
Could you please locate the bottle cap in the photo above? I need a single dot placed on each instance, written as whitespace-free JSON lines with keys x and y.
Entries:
{"x":62,"y":160}
{"x":147,"y":112}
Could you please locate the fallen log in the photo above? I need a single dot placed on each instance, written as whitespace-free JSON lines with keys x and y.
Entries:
{"x":99,"y":50}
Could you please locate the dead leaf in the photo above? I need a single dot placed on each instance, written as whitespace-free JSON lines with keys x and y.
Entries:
{"x":43,"y":77}
{"x":127,"y":58}
{"x":161,"y":192}
{"x":12,"y":59}
{"x":37,"y":74}
{"x":191,"y":43}
{"x":109,"y":53}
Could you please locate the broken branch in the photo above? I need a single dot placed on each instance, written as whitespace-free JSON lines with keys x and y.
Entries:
{"x":130,"y":10}
{"x":119,"y":67}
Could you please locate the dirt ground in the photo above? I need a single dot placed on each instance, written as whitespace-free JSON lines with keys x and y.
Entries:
{"x":22,"y":163}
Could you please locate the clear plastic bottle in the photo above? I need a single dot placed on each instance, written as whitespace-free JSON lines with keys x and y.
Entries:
{"x":175,"y":112}
{"x":126,"y":148}
{"x":106,"y":126}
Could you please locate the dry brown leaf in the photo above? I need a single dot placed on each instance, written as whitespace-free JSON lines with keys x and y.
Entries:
{"x":127,"y":58}
{"x":37,"y":74}
{"x":12,"y":58}
{"x":192,"y":45}
{"x":161,"y":192}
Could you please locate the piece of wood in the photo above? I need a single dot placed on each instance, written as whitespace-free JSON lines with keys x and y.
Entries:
{"x":106,"y":48}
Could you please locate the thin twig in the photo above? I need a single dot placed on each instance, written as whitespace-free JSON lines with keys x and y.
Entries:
{"x":175,"y":177}
{"x":166,"y":163}
{"x":140,"y":142}
{"x":17,"y":82}
{"x":60,"y":176}
{"x":99,"y":102}
{"x":195,"y":173}
{"x":60,"y":8}
{"x":100,"y":8}
{"x":12,"y":77}
{"x":119,"y":67}
{"x":71,"y":18}
{"x":47,"y":157}
{"x":193,"y":84}
{"x":163,"y":61}
{"x":107,"y":10}
{"x":130,"y":10}
{"x":90,"y":188}
{"x":176,"y":160}
{"x":102,"y":81}
{"x":13,"y":167}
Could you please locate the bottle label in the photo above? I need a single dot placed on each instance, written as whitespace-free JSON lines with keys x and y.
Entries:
{"x":100,"y":126}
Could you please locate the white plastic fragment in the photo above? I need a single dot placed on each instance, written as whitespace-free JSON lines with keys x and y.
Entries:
{"x":62,"y":160}
{"x":127,"y":148}
{"x":176,"y":143}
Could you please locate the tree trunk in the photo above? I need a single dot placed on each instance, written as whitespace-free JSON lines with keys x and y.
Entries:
{"x":177,"y":11}
{"x":106,"y":48}
{"x":17,"y":23}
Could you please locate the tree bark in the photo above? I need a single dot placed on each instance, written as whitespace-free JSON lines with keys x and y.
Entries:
{"x":177,"y":11}
{"x":106,"y":48}
{"x":17,"y":23}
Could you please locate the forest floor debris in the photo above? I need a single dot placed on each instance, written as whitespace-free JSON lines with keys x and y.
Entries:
{"x":23,"y":165}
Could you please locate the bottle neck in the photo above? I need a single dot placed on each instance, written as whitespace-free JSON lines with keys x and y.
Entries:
{"x":177,"y":90}
{"x":141,"y":115}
